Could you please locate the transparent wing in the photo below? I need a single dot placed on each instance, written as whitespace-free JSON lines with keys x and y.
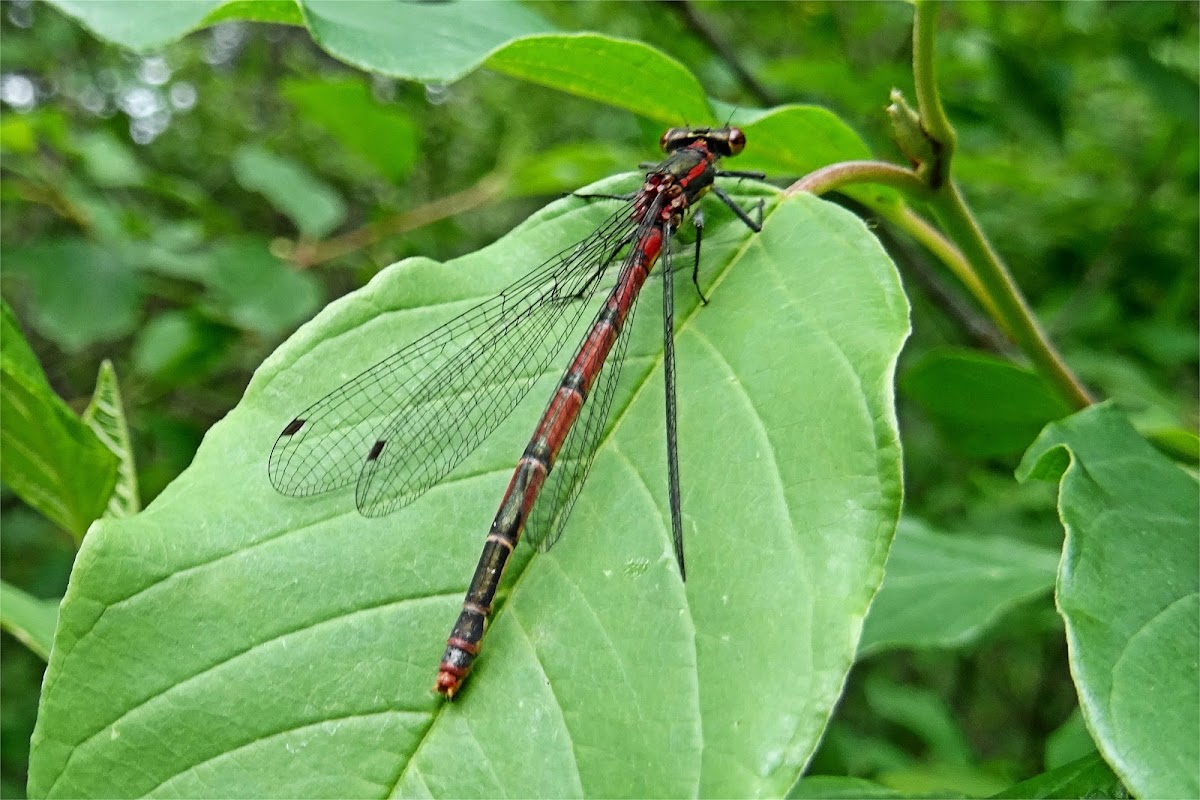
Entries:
{"x":402,"y":425}
{"x":553,"y":506}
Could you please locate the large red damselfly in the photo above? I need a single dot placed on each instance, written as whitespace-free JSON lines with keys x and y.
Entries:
{"x":400,"y":427}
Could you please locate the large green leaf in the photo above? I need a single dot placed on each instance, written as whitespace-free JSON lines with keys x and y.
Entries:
{"x":429,"y":42}
{"x":231,"y":641}
{"x":1129,"y":592}
{"x":608,"y":70}
{"x":945,"y":590}
{"x":51,"y":459}
{"x":139,"y":26}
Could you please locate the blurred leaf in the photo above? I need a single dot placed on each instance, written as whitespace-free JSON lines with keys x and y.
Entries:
{"x":1177,"y":443}
{"x":835,"y":787}
{"x":427,"y":42}
{"x":17,"y":134}
{"x":312,"y":205}
{"x":1033,"y":82}
{"x":608,"y":70}
{"x":138,"y":26}
{"x":567,"y":167}
{"x":159,"y":615}
{"x":1177,"y":93}
{"x":175,"y":250}
{"x":285,"y":12}
{"x":1087,"y":777}
{"x":846,"y":750}
{"x":925,"y":714}
{"x":83,"y":292}
{"x":1166,"y":342}
{"x":986,"y":406}
{"x":383,"y":135}
{"x":1131,"y":521}
{"x":173,"y":437}
{"x":51,"y":459}
{"x":180,"y":348}
{"x":1130,"y":386}
{"x":42,"y":126}
{"x":98,"y":212}
{"x":945,"y":590}
{"x":257,"y":291}
{"x":837,"y":82}
{"x":943,"y":780}
{"x":29,"y":619}
{"x":108,"y":161}
{"x":105,"y":415}
{"x":1069,"y":742}
{"x":247,"y":286}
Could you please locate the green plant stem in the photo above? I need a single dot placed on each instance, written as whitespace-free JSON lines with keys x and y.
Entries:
{"x":843,"y":173}
{"x":1004,"y":297}
{"x":1014,"y":313}
{"x":929,"y":102}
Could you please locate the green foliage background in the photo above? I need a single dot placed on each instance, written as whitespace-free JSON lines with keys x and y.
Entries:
{"x":189,"y":198}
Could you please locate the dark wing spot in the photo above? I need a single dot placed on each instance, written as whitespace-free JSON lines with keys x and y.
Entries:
{"x":293,"y":426}
{"x":376,"y":449}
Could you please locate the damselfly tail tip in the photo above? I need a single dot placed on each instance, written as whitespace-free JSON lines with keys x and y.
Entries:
{"x":447,"y":684}
{"x":456,"y":666}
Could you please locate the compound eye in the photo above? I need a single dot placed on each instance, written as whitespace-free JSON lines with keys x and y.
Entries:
{"x":737,"y":141}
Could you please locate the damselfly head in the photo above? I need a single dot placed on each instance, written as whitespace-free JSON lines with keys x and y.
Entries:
{"x":722,"y":141}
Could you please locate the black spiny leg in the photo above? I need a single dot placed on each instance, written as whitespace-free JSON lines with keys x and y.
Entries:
{"x":741,"y":213}
{"x":698,"y":221}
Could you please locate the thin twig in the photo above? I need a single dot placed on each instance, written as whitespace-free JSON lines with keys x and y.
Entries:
{"x":699,"y":26}
{"x":306,"y":255}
